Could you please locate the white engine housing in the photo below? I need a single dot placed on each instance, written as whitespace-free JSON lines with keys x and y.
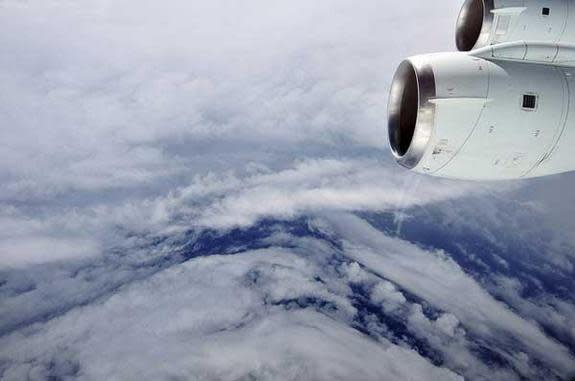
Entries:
{"x":488,"y":22}
{"x":493,"y":113}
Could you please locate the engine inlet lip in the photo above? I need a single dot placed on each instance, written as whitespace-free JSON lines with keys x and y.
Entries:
{"x":417,"y":134}
{"x":467,"y":19}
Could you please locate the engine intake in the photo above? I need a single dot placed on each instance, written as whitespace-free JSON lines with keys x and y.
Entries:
{"x":474,"y":25}
{"x":410,"y":112}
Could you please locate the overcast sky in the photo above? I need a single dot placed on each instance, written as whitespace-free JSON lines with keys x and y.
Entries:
{"x":111,"y":110}
{"x":125,"y":123}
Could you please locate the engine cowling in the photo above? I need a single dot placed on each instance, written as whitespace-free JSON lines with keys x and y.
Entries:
{"x":489,"y":114}
{"x":487,"y":22}
{"x":459,"y":116}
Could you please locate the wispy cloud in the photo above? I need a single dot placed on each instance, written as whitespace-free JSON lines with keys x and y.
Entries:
{"x":439,"y":280}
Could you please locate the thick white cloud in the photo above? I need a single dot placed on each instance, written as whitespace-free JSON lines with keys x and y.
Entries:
{"x":224,"y":317}
{"x":214,"y":318}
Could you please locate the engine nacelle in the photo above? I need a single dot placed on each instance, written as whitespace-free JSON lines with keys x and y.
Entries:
{"x":494,"y":113}
{"x":488,"y":22}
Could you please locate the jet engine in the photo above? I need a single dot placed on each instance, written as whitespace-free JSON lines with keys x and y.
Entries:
{"x":500,"y":108}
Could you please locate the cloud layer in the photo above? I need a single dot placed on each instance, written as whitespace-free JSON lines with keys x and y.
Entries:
{"x":204,"y":187}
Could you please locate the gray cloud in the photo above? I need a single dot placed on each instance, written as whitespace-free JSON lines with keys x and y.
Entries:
{"x":141,"y":98}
